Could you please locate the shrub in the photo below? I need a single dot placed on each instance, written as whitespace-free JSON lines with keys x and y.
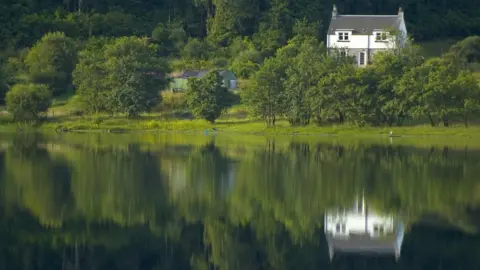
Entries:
{"x":172,"y":102}
{"x":27,"y":101}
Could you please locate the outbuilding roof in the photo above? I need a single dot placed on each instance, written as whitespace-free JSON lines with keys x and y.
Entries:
{"x":192,"y":74}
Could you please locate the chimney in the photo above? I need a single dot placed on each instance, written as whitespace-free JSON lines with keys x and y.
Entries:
{"x":400,"y":12}
{"x":334,"y":11}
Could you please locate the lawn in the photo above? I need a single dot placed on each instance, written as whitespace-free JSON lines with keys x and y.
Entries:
{"x":436,"y":48}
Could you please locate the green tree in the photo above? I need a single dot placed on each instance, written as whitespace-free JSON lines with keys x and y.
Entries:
{"x":303,"y":73}
{"x":4,"y":85}
{"x":246,"y":63}
{"x":135,"y":75}
{"x":197,"y":49}
{"x":232,"y":18}
{"x":125,"y":76}
{"x":431,"y":89}
{"x":469,"y":91}
{"x":51,"y":62}
{"x":161,"y":36}
{"x":90,"y":75}
{"x":171,"y":38}
{"x":331,"y":99}
{"x":207,"y":97}
{"x":467,"y":50}
{"x":27,"y":101}
{"x":265,"y":95}
{"x":389,"y":67}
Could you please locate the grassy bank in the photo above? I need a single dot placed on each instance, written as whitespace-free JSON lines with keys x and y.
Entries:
{"x":245,"y":126}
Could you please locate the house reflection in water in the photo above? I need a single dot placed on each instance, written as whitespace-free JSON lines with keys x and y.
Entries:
{"x":363,"y":231}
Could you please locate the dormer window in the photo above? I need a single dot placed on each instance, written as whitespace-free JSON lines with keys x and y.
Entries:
{"x":381,"y":36}
{"x":343,"y":36}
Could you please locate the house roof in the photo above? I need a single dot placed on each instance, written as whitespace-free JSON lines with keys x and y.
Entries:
{"x":365,"y":24}
{"x":188,"y":74}
{"x":192,"y":74}
{"x":363,"y":244}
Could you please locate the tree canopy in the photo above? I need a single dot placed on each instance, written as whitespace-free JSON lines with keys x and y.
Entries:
{"x":208,"y":97}
{"x":51,"y":61}
{"x":27,"y":101}
{"x":122,"y":75}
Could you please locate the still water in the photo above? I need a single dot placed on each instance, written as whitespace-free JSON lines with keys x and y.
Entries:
{"x":97,"y":201}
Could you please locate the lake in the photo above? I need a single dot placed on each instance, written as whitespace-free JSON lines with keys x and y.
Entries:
{"x":171,"y":201}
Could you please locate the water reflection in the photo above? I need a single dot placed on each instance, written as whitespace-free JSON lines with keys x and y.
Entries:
{"x":361,"y":229}
{"x":179,"y":202}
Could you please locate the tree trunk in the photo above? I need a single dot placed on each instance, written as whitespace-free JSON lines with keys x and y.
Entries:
{"x":400,"y":119}
{"x":389,"y":121}
{"x":465,"y":119}
{"x":431,"y":120}
{"x":341,"y":117}
{"x":445,"y":121}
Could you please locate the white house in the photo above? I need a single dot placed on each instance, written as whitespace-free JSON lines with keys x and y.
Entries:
{"x":361,"y":36}
{"x":361,"y":230}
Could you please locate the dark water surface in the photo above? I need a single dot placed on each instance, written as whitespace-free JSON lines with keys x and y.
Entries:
{"x":96,"y":201}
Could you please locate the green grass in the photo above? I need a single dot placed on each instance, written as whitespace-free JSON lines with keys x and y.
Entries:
{"x":152,"y":123}
{"x":477,"y":75}
{"x":64,"y":105}
{"x":436,"y":48}
{"x":237,"y":143}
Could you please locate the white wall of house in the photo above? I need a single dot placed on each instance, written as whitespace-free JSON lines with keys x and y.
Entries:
{"x":356,"y":42}
{"x":359,"y":42}
{"x":357,"y":223}
{"x":403,"y":30}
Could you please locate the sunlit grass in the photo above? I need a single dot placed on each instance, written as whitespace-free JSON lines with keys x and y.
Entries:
{"x":157,"y":122}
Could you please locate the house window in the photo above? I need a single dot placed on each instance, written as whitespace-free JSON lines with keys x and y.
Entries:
{"x":378,"y":229}
{"x":343,"y":36}
{"x":361,"y":59}
{"x":343,"y":54}
{"x":380,"y":36}
{"x":341,"y":228}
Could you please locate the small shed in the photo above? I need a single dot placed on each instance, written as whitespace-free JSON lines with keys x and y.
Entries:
{"x":180,"y":79}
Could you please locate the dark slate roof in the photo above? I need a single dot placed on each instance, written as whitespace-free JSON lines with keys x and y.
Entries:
{"x":364,"y":24}
{"x":192,"y":74}
{"x":363,"y":244}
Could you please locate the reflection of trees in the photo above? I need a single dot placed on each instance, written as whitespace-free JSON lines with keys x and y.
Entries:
{"x":37,"y":182}
{"x":121,"y":186}
{"x":208,"y":180}
{"x":185,"y":207}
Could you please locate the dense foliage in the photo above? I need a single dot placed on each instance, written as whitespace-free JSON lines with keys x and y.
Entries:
{"x":116,"y":56}
{"x":51,"y":62}
{"x":122,"y":75}
{"x":268,"y":21}
{"x":303,"y":83}
{"x":207,"y":97}
{"x":27,"y":101}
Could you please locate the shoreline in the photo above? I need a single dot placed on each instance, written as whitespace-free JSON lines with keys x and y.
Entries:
{"x":239,"y":126}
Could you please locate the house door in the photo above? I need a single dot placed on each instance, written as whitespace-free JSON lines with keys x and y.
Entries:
{"x":362,"y":59}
